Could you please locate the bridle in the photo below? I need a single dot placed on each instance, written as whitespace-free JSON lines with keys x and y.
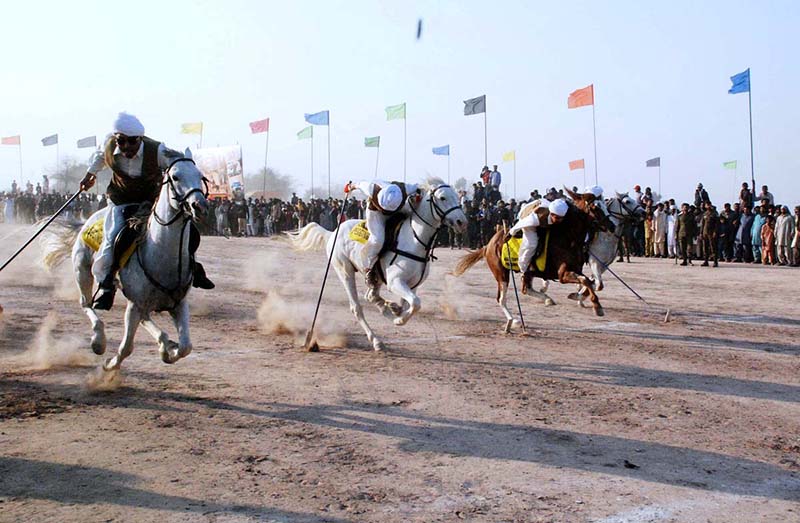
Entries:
{"x":435,"y":209}
{"x":629,"y":215}
{"x":183,"y":208}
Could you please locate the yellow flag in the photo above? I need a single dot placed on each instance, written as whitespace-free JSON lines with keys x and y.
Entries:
{"x":510,"y":156}
{"x":192,"y":128}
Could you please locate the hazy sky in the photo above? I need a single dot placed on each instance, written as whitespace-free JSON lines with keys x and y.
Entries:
{"x":660,"y":69}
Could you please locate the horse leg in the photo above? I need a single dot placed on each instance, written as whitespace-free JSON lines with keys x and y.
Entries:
{"x":565,"y":276}
{"x":132,"y":318}
{"x":387,"y":308}
{"x":180,"y":317}
{"x":82,"y":266}
{"x":161,"y":337}
{"x":402,"y":289}
{"x":502,"y":295}
{"x":348,"y":278}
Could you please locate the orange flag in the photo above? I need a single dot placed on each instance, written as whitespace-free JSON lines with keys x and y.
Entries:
{"x":581,"y":97}
{"x":576,"y":164}
{"x":10,"y":140}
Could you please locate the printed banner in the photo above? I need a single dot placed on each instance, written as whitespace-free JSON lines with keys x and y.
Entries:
{"x":223,"y":168}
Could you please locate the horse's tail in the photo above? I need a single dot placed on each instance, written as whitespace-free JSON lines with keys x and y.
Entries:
{"x":56,"y":243}
{"x":312,"y":237}
{"x":468,"y":260}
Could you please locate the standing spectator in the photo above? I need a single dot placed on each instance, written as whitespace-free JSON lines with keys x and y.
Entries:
{"x":637,"y":194}
{"x":660,"y":231}
{"x":744,"y":247}
{"x":486,"y":176}
{"x":784,"y":234}
{"x":709,"y":230}
{"x":685,"y":230}
{"x":701,"y":197}
{"x":796,"y":240}
{"x":495,"y":178}
{"x":672,"y":250}
{"x":745,"y":197}
{"x":760,"y":216}
{"x":766,"y":195}
{"x":768,"y":241}
{"x":648,"y":234}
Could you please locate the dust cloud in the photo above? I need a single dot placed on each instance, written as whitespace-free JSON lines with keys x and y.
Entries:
{"x":50,"y":349}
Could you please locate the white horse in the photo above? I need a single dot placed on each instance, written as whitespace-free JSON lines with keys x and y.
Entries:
{"x":622,"y":210}
{"x":405,"y":265}
{"x":158,"y":275}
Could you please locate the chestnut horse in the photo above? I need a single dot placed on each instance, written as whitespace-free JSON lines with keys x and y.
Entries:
{"x":565,"y":253}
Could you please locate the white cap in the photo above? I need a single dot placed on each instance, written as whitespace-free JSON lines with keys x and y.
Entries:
{"x":128,"y":125}
{"x":558,"y":207}
{"x":594,"y":189}
{"x":390,"y":198}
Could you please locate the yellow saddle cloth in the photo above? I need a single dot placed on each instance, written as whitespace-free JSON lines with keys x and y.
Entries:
{"x":93,"y":237}
{"x":509,"y":255}
{"x":359,"y":233}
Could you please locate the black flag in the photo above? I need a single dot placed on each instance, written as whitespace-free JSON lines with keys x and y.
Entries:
{"x":475,"y":105}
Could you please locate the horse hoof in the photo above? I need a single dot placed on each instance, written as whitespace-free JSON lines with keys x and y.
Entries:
{"x":573,"y":296}
{"x":378,"y":345}
{"x":599,"y":287}
{"x":507,"y":328}
{"x":169,"y":352}
{"x":400,"y":321}
{"x":99,"y":345}
{"x":549,"y":302}
{"x":109,"y":366}
{"x":599,"y":311}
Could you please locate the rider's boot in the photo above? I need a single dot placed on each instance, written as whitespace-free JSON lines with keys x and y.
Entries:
{"x":200,"y":280}
{"x":105,"y":293}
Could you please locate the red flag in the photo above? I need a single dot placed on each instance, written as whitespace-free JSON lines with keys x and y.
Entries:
{"x":581,"y":97}
{"x":261,"y":126}
{"x":574,"y":165}
{"x":10,"y":140}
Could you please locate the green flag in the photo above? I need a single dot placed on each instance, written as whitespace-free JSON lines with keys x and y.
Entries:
{"x":396,"y":112}
{"x":372,"y":141}
{"x":308,"y":132}
{"x":730,"y":165}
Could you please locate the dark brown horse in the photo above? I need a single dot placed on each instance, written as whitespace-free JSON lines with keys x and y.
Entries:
{"x":565,"y":253}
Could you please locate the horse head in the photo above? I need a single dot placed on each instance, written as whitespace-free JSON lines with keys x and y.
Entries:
{"x":444,"y":204}
{"x":624,"y":207}
{"x":594,"y":207}
{"x":188,"y":188}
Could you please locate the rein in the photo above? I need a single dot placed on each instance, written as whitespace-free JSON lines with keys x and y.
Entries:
{"x":182,"y":211}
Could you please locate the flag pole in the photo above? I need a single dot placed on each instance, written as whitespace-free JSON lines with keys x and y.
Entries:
{"x":448,"y":167}
{"x":750,"y":107}
{"x":659,"y":178}
{"x":266,"y":152}
{"x":515,"y":175}
{"x":201,"y":137}
{"x":19,"y":148}
{"x":329,"y":154}
{"x":405,"y":143}
{"x":594,"y":135}
{"x":377,"y":156}
{"x":312,"y":163}
{"x":584,"y":175}
{"x":485,"y":140}
{"x":57,"y":156}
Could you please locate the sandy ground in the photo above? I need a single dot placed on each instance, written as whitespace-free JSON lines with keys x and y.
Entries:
{"x":623,"y":418}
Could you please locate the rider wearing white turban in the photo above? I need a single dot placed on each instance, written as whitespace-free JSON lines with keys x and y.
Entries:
{"x":384,"y":199}
{"x":596,"y":190}
{"x":137,"y":164}
{"x":541,"y":217}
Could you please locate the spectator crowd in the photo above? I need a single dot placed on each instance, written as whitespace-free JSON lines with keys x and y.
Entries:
{"x":754,"y":229}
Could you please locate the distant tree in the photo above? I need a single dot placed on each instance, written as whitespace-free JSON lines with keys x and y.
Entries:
{"x":461,"y":184}
{"x":278,"y":185}
{"x":69,"y":173}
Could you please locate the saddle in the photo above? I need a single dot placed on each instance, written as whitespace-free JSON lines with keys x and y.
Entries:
{"x":126,"y":241}
{"x":512,"y":246}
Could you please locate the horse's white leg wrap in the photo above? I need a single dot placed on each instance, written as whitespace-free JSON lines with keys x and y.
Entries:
{"x":83,"y":277}
{"x":180,"y":316}
{"x":132,"y":318}
{"x":348,"y":278}
{"x":376,"y":224}
{"x":530,"y":240}
{"x":402,"y":289}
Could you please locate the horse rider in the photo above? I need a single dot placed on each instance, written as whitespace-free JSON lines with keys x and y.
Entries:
{"x":384,"y":200}
{"x":137,"y":164}
{"x":543,"y":216}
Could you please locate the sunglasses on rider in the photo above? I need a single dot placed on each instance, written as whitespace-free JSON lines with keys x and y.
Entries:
{"x":133,"y":140}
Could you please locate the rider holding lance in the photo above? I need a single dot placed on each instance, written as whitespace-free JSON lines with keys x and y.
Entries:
{"x":137,"y":164}
{"x":543,"y":216}
{"x":384,"y":199}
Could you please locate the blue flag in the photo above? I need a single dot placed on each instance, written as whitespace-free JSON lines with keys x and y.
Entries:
{"x":442,"y":151}
{"x":741,"y":83}
{"x":320,"y":118}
